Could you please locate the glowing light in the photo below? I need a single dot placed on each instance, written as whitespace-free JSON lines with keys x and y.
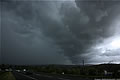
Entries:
{"x":111,"y":44}
{"x":115,"y":43}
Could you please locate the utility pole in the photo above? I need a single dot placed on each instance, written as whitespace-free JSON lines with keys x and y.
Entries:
{"x":83,"y":63}
{"x":83,"y":68}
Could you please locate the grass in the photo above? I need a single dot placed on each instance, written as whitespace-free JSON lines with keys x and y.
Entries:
{"x":7,"y":76}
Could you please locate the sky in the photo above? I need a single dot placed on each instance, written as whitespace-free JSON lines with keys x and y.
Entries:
{"x":59,"y":31}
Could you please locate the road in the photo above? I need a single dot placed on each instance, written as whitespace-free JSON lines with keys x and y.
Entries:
{"x":20,"y":76}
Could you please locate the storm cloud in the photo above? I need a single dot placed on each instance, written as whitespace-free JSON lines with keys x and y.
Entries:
{"x":57,"y":32}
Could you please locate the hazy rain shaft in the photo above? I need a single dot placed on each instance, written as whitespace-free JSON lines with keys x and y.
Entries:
{"x":60,"y":31}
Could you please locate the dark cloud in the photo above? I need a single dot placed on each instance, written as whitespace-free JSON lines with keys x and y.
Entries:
{"x":97,"y":16}
{"x":30,"y":28}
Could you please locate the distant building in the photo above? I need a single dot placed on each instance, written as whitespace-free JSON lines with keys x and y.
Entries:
{"x":119,"y":71}
{"x":63,"y":73}
{"x":107,"y":73}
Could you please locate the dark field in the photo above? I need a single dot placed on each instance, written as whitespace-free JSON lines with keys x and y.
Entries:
{"x":63,"y":72}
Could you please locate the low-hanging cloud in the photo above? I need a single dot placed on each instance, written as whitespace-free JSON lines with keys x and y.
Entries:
{"x":71,"y":27}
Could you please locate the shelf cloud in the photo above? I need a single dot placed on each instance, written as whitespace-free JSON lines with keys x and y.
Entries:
{"x":59,"y":32}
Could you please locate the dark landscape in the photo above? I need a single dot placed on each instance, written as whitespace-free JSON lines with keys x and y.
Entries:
{"x":59,"y":39}
{"x":62,"y":72}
